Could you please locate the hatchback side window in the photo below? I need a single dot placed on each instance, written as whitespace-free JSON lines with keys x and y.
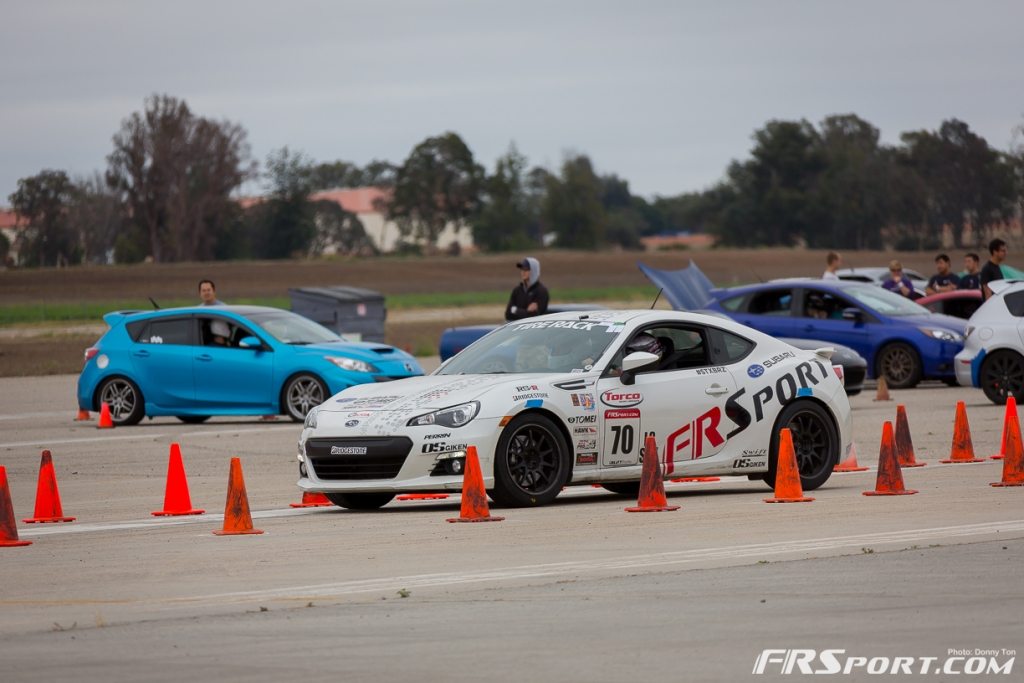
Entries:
{"x":173,"y":331}
{"x":1015,"y":303}
{"x":727,"y":348}
{"x":773,"y":302}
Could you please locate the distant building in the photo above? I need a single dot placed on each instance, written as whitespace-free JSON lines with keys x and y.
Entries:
{"x":11,"y":227}
{"x":681,"y":240}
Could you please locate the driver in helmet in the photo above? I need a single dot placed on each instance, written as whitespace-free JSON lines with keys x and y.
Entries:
{"x":645,"y":342}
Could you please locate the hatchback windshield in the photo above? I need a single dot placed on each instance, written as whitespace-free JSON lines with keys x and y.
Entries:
{"x":884,"y":301}
{"x":290,"y":328}
{"x":541,"y":346}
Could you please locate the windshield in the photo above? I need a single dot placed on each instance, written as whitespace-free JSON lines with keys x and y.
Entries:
{"x":540,"y":346}
{"x":884,"y":301}
{"x":290,"y":328}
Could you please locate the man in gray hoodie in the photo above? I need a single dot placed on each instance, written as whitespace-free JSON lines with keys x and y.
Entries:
{"x":530,"y":297}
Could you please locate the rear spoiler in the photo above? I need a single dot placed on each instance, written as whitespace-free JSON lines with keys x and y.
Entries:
{"x":999,"y":286}
{"x":115,"y":318}
{"x":825,"y":352}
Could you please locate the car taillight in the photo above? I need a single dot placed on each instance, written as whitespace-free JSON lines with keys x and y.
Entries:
{"x":90,"y":353}
{"x":838,"y":369}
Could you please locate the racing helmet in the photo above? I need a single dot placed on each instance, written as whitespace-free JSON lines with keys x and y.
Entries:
{"x":644,"y":342}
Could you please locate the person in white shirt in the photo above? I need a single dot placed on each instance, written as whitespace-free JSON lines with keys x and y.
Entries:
{"x":832,"y":263}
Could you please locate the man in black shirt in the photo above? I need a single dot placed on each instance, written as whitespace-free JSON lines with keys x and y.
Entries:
{"x":530,"y":297}
{"x":943,"y":280}
{"x":991,"y":271}
{"x":971,"y":279}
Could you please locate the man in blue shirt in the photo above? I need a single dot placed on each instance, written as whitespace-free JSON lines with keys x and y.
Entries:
{"x":972,"y":278}
{"x":944,"y":280}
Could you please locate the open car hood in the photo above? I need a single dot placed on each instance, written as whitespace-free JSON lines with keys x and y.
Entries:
{"x":687,"y":289}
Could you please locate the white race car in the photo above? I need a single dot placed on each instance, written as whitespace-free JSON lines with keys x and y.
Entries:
{"x":993,"y":353}
{"x":569,"y":398}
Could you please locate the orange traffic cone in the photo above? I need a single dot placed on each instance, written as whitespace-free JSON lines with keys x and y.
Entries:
{"x":850,"y":464}
{"x":1013,"y":462}
{"x":176,"y":499}
{"x":788,"y":488}
{"x":8,"y":527}
{"x":422,"y":496}
{"x":963,"y":449}
{"x":237,"y":519}
{"x":889,"y":481}
{"x":685,"y":480}
{"x":83,"y":416}
{"x":105,"y":421}
{"x":474,"y":497}
{"x":904,"y":444}
{"x":882,"y":394}
{"x":652,"y":485}
{"x":48,"y":507}
{"x":1011,"y":414}
{"x":312,"y":500}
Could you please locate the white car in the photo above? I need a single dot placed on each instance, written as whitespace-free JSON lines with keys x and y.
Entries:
{"x":569,"y":398}
{"x":993,"y":353}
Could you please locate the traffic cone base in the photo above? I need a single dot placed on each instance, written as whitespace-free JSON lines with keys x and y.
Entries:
{"x":237,"y":519}
{"x":474,"y":497}
{"x":8,"y":527}
{"x":788,"y":488}
{"x":652,"y":485}
{"x":312,"y":500}
{"x":996,"y":457}
{"x":48,"y":508}
{"x":850,"y":464}
{"x":422,"y":496}
{"x":889,"y":481}
{"x":683,"y":480}
{"x":83,"y":416}
{"x":105,"y":422}
{"x":177,"y":501}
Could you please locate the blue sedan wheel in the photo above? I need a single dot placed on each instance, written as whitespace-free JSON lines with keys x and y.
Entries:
{"x":899,"y":364}
{"x":125,"y":400}
{"x":301,"y":394}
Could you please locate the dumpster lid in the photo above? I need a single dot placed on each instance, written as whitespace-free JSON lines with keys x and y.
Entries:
{"x":339,"y":293}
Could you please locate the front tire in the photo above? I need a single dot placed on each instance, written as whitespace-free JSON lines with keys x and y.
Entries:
{"x":360,"y":501}
{"x":531,"y":463}
{"x":127,"y":405}
{"x":900,"y":365}
{"x":815,"y":440}
{"x":1002,"y":376}
{"x":301,"y":394}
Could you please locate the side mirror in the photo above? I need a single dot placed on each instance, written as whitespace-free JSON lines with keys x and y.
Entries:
{"x":853,"y":314}
{"x":637,"y":360}
{"x":250,"y":343}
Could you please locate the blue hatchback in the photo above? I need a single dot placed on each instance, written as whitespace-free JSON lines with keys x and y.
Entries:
{"x":192,"y":363}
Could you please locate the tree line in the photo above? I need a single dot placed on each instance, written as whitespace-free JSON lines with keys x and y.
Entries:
{"x":170,"y":193}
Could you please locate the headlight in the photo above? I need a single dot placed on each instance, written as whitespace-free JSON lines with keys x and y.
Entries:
{"x":456,"y":416}
{"x":310,"y":422}
{"x":942,"y":335}
{"x":351,"y":364}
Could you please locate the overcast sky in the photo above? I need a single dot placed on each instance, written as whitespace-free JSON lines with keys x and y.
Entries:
{"x":664,"y":94}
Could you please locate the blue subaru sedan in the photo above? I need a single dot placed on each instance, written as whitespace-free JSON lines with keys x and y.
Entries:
{"x":192,"y":363}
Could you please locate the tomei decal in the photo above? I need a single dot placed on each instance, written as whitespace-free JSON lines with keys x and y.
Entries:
{"x":622,"y":439}
{"x":581,"y":419}
{"x":617,"y":398}
{"x":696,"y":439}
{"x":586,"y":458}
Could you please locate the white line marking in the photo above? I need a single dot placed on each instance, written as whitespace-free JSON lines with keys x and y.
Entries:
{"x":149,"y":436}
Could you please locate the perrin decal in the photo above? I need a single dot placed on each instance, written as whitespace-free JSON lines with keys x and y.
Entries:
{"x":617,"y":398}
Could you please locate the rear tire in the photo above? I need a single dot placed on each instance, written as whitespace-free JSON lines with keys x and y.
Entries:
{"x":127,"y":405}
{"x":815,"y":440}
{"x":360,"y":501}
{"x":900,"y":365}
{"x":1002,"y":376}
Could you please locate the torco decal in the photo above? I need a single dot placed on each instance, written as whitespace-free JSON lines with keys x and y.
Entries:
{"x":696,"y":439}
{"x":621,"y":399}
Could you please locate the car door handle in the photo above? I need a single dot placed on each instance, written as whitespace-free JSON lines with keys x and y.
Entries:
{"x":141,"y":354}
{"x":204,"y":356}
{"x":716,"y":390}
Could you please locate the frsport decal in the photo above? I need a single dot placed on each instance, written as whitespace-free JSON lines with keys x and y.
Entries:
{"x":696,"y":439}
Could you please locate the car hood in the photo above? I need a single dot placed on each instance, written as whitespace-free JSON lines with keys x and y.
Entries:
{"x":433,"y":392}
{"x":936,"y":320}
{"x":365,"y":351}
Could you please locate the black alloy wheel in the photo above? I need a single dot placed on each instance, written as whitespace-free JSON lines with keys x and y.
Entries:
{"x":815,"y":440}
{"x":1002,"y":376}
{"x":531,"y":463}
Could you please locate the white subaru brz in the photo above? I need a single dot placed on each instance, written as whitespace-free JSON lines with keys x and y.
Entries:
{"x":569,"y":398}
{"x":993,"y":353}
